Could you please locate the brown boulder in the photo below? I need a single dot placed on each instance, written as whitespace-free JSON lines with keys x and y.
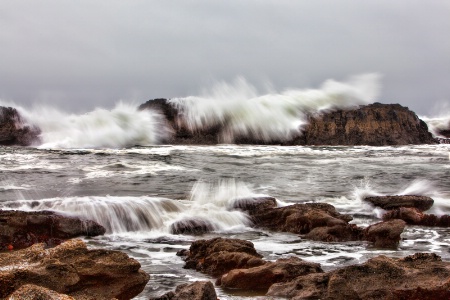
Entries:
{"x":422,"y":203}
{"x":199,"y":290}
{"x":72,"y":269}
{"x":414,"y":216}
{"x":262,"y":277}
{"x":253,"y":205}
{"x":419,"y":276}
{"x":31,"y":291}
{"x":218,"y":256}
{"x":191,"y":226}
{"x":15,"y":131}
{"x":21,"y":229}
{"x":385,"y":234}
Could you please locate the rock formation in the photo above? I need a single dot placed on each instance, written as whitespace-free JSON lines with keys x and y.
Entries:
{"x":375,"y":124}
{"x":72,"y":269}
{"x":20,"y":229}
{"x":422,"y":203}
{"x":413,"y":216}
{"x":199,"y":290}
{"x":14,"y":130}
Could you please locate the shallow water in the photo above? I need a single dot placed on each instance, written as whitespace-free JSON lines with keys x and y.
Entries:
{"x":137,"y":193}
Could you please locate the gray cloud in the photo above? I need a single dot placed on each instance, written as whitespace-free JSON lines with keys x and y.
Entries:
{"x":81,"y":54}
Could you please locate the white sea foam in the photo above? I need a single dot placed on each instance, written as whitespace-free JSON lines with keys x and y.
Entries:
{"x":274,"y":116}
{"x":437,"y":124}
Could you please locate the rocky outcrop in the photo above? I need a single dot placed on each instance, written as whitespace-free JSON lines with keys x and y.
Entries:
{"x":199,"y":290}
{"x":219,"y":256}
{"x":422,"y":203}
{"x":20,"y":229}
{"x":262,"y":277}
{"x":413,"y":216}
{"x":419,"y":276}
{"x":375,"y":124}
{"x":72,"y":269}
{"x":31,"y":291}
{"x":15,"y":131}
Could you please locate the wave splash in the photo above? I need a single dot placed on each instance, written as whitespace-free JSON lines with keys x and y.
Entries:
{"x":274,"y":116}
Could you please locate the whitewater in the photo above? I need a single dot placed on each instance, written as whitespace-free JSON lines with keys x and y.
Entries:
{"x":109,"y":166}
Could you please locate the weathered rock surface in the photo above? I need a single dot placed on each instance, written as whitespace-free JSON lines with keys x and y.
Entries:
{"x":262,"y":277}
{"x":31,"y":291}
{"x":393,"y":202}
{"x":375,"y":124}
{"x":385,"y":234}
{"x":419,"y":276}
{"x":218,"y":256}
{"x":413,"y":216}
{"x":21,"y":229}
{"x":72,"y":269}
{"x":14,"y":130}
{"x":199,"y":290}
{"x":191,"y":226}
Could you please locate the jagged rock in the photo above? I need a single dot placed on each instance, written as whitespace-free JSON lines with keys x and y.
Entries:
{"x":15,"y":131}
{"x":375,"y":124}
{"x":262,"y":277}
{"x":413,"y":216}
{"x":385,"y":234}
{"x":191,"y":226}
{"x":393,"y":202}
{"x":21,"y":229}
{"x":419,"y":276}
{"x":199,"y":290}
{"x":31,"y":291}
{"x":218,"y":256}
{"x":72,"y":269}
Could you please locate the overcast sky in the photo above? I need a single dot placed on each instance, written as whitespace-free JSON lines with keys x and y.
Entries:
{"x":81,"y":54}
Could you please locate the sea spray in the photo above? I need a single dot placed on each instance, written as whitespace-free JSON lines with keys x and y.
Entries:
{"x":275,"y":116}
{"x":123,"y":126}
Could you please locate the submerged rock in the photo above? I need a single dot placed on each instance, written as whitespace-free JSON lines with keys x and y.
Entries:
{"x":413,"y":216}
{"x":262,"y":277}
{"x":191,"y":226}
{"x":218,"y":256}
{"x":72,"y":269}
{"x":21,"y":229}
{"x":419,"y":276}
{"x":199,"y":290}
{"x":15,"y":131}
{"x":393,"y":202}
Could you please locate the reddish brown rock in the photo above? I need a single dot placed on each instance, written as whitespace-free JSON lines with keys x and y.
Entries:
{"x":14,"y":130}
{"x":414,"y":216}
{"x":419,"y":276}
{"x":385,"y":234}
{"x":199,"y":290}
{"x":31,"y":291}
{"x":21,"y":229}
{"x":422,"y":203}
{"x":218,"y":256}
{"x":72,"y":269}
{"x":262,"y":277}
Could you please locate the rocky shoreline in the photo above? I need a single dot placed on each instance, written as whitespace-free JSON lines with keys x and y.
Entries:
{"x":40,"y":257}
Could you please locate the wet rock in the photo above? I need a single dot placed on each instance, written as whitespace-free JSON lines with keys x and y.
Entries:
{"x":21,"y":229}
{"x":218,"y":256}
{"x":14,"y":130}
{"x":419,"y":276}
{"x":31,"y":291}
{"x":385,"y":234}
{"x":72,"y":269}
{"x":413,"y":216}
{"x":252,"y":205}
{"x":191,"y":226}
{"x":199,"y":290}
{"x":393,"y":202}
{"x":337,"y":233}
{"x":262,"y":277}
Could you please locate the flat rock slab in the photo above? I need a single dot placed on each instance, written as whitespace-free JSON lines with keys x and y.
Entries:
{"x":422,"y":203}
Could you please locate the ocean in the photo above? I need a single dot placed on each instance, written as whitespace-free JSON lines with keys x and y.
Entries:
{"x":138,"y":192}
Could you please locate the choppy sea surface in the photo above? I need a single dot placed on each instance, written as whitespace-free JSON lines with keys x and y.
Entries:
{"x":138,"y":192}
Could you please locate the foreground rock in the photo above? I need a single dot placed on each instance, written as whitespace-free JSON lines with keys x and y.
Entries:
{"x":375,"y":124}
{"x":72,"y":269}
{"x":218,"y":256}
{"x":422,"y":203}
{"x":413,"y":216}
{"x":21,"y":229}
{"x":199,"y":290}
{"x":15,"y":131}
{"x":262,"y":277}
{"x":385,"y":234}
{"x":31,"y":291}
{"x":419,"y":276}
